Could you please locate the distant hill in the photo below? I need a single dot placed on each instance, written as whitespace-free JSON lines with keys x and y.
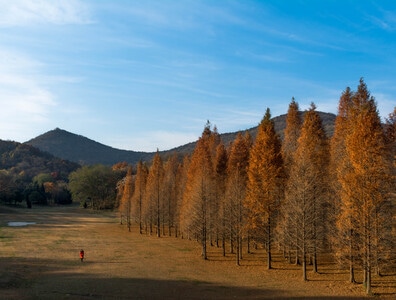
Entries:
{"x":27,"y":161}
{"x":82,"y":150}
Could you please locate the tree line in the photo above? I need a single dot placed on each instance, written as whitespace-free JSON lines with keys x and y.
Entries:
{"x":304,"y":195}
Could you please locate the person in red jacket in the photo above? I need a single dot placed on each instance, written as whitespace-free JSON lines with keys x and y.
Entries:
{"x":82,"y":255}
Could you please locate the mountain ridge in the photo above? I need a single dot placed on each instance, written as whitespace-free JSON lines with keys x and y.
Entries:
{"x":82,"y":150}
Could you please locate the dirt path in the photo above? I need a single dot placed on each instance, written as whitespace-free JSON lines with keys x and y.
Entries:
{"x":41,"y":261}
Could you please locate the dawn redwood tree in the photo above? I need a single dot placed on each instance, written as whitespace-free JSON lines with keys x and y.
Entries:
{"x":265,"y":182}
{"x":139,"y":193}
{"x":390,"y":135}
{"x":218,"y":156}
{"x":170,"y":191}
{"x":291,"y":134}
{"x":344,"y":239}
{"x":233,"y":207}
{"x":368,"y":179}
{"x":198,"y":193}
{"x":154,"y":190}
{"x":289,"y":147}
{"x":182,"y":173}
{"x":364,"y":175}
{"x":390,"y":132}
{"x":181,"y":178}
{"x":126,"y":198}
{"x":307,"y":187}
{"x":217,"y":207}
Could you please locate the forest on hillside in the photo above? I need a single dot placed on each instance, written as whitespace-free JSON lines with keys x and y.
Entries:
{"x":303,"y":195}
{"x":33,"y":176}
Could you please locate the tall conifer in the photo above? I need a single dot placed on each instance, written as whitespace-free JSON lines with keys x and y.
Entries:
{"x":344,"y":237}
{"x":170,"y":191}
{"x":154,"y":190}
{"x":368,"y":179}
{"x":198,"y":194}
{"x":264,"y":186}
{"x":289,"y":146}
{"x":217,"y":211}
{"x":126,"y":200}
{"x":307,"y":187}
{"x":236,"y":189}
{"x":139,"y":194}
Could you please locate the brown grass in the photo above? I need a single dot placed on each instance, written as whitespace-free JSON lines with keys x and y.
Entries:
{"x":41,"y":262}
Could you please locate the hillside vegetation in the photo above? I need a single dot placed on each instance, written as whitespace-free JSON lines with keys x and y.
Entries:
{"x":22,"y":170}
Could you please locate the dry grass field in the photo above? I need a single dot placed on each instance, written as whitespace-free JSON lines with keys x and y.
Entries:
{"x":41,"y":261}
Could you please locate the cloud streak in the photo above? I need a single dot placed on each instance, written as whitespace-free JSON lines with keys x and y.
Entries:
{"x":24,"y":100}
{"x":26,"y":12}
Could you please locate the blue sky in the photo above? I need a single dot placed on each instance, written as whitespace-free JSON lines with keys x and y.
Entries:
{"x":142,"y":75}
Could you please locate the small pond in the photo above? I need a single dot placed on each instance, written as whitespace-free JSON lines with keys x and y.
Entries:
{"x":18,"y":224}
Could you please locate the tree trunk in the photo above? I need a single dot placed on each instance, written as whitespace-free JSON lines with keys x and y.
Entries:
{"x":237,"y":250}
{"x":315,"y":262}
{"x":240,"y":248}
{"x":204,"y":255}
{"x":223,"y":244}
{"x":297,"y":262}
{"x":304,"y":266}
{"x":231,"y":243}
{"x":223,"y":233}
{"x":248,"y":243}
{"x":351,"y":273}
{"x":140,"y":215}
{"x":269,"y":245}
{"x":297,"y":254}
{"x":368,"y":283}
{"x":351,"y":260}
{"x":368,"y":262}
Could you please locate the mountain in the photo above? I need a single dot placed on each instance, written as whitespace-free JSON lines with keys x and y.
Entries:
{"x":82,"y":150}
{"x":27,"y":161}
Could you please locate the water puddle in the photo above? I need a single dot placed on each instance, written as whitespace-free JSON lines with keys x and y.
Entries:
{"x":18,"y":224}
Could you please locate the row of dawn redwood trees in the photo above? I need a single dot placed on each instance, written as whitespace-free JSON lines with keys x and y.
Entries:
{"x":307,"y":194}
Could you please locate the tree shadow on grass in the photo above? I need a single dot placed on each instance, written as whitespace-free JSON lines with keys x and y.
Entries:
{"x":55,"y":279}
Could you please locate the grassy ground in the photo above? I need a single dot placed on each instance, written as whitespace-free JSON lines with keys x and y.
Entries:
{"x":41,"y":261}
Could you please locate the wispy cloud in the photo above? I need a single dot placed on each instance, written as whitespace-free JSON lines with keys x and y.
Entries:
{"x":183,"y":15}
{"x":24,"y":100}
{"x":27,"y":12}
{"x":384,"y":19}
